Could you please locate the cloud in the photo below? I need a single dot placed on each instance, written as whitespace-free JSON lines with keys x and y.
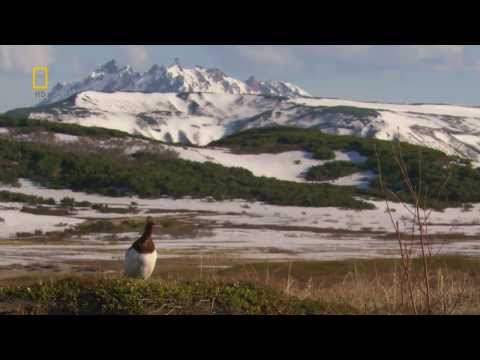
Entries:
{"x":136,"y":55}
{"x":81,"y":65}
{"x":358,"y":57}
{"x":21,"y":58}
{"x":269,"y":54}
{"x":434,"y":57}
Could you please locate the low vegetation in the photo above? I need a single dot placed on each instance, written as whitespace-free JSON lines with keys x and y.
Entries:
{"x":27,"y":126}
{"x":352,"y":112}
{"x":124,"y":296}
{"x":449,"y":181}
{"x":331,"y":170}
{"x":108,"y":226}
{"x":307,"y":287}
{"x":152,"y":175}
{"x":43,"y":210}
{"x":9,"y":196}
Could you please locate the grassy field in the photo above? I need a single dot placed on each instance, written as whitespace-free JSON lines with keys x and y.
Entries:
{"x":182,"y":287}
{"x":123,"y":296}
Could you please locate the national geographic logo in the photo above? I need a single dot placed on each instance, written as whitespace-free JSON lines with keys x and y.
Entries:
{"x":40,"y":80}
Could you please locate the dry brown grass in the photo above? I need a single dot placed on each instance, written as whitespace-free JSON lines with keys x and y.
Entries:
{"x":368,"y":286}
{"x":450,"y":293}
{"x":348,"y":287}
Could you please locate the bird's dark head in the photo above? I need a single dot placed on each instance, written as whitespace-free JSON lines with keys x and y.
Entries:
{"x":147,"y":233}
{"x":145,"y":244}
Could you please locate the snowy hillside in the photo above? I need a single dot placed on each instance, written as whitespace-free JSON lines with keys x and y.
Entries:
{"x":196,"y":118}
{"x":175,"y":78}
{"x":452,"y":129}
{"x":289,"y":165}
{"x":200,"y":118}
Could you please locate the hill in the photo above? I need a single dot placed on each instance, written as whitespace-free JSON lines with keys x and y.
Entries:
{"x":152,"y":169}
{"x":198,"y":118}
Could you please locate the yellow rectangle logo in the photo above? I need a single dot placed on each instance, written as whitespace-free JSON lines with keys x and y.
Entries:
{"x":40,"y":78}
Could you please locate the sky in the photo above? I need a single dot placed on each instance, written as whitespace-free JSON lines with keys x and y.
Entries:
{"x":407,"y":73}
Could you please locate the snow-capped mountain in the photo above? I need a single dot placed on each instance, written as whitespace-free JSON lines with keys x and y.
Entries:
{"x":200,"y":118}
{"x":174,"y":78}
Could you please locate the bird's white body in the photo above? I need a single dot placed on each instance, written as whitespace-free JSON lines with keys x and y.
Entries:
{"x":139,"y":265}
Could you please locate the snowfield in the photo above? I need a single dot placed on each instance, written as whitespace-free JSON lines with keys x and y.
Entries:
{"x":66,"y":138}
{"x":280,"y":166}
{"x":255,"y":213}
{"x":290,"y":165}
{"x":258,"y":244}
{"x":360,"y":179}
{"x":15,"y":221}
{"x":174,"y":118}
{"x":238,"y":228}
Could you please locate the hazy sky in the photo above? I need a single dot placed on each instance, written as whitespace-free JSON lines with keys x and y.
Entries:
{"x":413,"y":73}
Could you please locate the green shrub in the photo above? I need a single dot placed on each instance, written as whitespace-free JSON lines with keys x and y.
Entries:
{"x":8,"y":196}
{"x":331,"y":170}
{"x":446,"y":180}
{"x":151,"y":175}
{"x":25,"y":126}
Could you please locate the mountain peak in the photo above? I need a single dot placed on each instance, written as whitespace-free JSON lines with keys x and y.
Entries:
{"x":176,"y":64}
{"x":154,"y":68}
{"x":110,"y":77}
{"x":253,"y":84}
{"x":126,"y":70}
{"x":109,"y":67}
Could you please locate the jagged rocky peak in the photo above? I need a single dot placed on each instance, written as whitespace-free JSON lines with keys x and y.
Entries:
{"x":109,"y":67}
{"x":58,"y":86}
{"x":155,"y":68}
{"x":216,"y":74}
{"x":176,"y":61}
{"x":111,"y":77}
{"x":253,"y":83}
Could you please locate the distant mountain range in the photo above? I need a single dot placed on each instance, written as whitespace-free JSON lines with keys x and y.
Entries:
{"x":110,"y":77}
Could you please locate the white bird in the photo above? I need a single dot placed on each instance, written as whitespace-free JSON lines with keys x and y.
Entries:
{"x":141,"y":257}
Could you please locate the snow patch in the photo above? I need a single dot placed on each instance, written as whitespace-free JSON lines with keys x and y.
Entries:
{"x":360,"y":179}
{"x":289,"y":165}
{"x":66,"y":138}
{"x":17,"y":221}
{"x":256,"y":213}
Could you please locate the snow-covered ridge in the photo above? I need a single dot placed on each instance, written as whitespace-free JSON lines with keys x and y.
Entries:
{"x":196,"y":118}
{"x":200,"y":118}
{"x":174,"y":78}
{"x":429,"y":109}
